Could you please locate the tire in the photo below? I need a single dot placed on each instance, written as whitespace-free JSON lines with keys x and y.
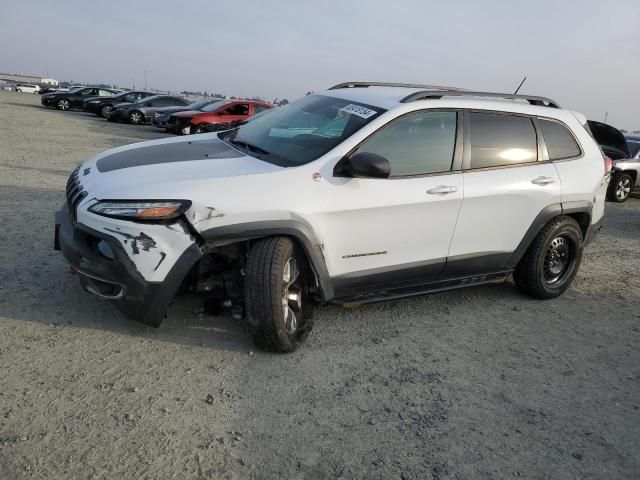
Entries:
{"x":19,"y":90}
{"x":267,"y":284}
{"x":552,"y":260}
{"x":136,"y":118}
{"x":64,"y":104}
{"x":104,"y":111}
{"x":620,"y":188}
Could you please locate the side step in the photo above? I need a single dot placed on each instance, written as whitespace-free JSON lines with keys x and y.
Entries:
{"x":442,"y":286}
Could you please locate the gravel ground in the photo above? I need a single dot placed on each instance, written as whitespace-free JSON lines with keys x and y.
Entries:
{"x":479,"y":383}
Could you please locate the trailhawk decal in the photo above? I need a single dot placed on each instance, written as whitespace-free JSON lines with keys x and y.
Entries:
{"x":354,"y":109}
{"x":368,"y":254}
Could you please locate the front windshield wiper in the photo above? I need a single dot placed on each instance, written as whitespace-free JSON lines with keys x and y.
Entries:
{"x":249,"y":147}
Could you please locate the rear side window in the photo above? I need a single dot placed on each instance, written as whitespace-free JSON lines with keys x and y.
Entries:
{"x":560,"y":143}
{"x":501,"y":140}
{"x":416,"y":144}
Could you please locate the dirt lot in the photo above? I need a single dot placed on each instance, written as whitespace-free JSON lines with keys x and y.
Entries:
{"x":480,"y":383}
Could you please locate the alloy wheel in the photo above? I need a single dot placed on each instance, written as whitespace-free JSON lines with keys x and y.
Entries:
{"x":64,"y":104}
{"x":135,"y":117}
{"x":291,"y":295}
{"x":623,"y":188}
{"x":106,"y":110}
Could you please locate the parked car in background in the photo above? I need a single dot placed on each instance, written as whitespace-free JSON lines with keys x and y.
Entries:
{"x":223,"y":115}
{"x":75,"y":98}
{"x":48,"y":89}
{"x":625,"y":154}
{"x":144,"y":110}
{"x":27,"y":88}
{"x":257,"y":116}
{"x":352,"y":195}
{"x":162,"y":118}
{"x":101,"y":106}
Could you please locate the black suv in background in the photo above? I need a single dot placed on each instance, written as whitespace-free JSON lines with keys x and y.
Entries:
{"x":75,"y":98}
{"x":144,"y":110}
{"x":101,"y":106}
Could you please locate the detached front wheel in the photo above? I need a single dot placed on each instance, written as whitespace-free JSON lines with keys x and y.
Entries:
{"x":277,"y":302}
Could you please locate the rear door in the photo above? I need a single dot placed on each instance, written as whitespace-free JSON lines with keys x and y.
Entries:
{"x":506,"y":185}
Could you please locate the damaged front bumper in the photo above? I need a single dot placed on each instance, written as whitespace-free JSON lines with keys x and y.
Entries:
{"x":107,"y":271}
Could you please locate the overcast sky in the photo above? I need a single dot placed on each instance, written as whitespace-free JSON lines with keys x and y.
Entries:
{"x":584,"y":54}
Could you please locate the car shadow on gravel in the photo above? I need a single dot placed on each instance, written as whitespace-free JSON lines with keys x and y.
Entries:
{"x":25,"y":105}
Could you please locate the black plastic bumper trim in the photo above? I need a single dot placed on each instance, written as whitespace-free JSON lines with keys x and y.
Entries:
{"x":143,"y":301}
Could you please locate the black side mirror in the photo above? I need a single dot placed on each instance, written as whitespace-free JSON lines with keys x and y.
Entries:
{"x":364,"y":165}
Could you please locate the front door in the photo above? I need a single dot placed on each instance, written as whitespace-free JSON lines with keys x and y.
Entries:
{"x":385,"y":233}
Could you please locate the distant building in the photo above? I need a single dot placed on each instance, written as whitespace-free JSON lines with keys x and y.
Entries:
{"x":28,"y":79}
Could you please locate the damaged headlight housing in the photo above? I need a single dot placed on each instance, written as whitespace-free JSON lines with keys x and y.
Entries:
{"x":141,"y":210}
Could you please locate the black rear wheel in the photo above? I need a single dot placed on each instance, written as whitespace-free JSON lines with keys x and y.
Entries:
{"x":136,"y":117}
{"x":552,"y":260}
{"x":277,"y":302}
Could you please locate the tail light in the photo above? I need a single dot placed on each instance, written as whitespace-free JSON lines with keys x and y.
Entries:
{"x":608,"y":165}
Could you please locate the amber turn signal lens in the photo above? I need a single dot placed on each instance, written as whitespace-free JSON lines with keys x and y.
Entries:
{"x":156,"y":212}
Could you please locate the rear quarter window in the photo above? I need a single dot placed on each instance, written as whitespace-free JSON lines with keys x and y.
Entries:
{"x":559,"y":141}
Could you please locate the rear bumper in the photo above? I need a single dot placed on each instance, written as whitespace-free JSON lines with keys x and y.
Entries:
{"x":117,"y":279}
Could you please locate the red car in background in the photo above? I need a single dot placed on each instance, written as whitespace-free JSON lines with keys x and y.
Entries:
{"x":227,"y":114}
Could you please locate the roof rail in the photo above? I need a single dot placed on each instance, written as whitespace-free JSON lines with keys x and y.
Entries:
{"x":431,"y":94}
{"x":384,"y":84}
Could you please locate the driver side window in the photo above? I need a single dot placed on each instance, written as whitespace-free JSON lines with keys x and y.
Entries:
{"x":416,"y":144}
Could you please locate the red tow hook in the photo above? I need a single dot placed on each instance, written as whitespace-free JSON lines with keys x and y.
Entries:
{"x":72,"y":271}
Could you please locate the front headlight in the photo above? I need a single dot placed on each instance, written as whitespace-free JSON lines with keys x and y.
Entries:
{"x":141,"y":210}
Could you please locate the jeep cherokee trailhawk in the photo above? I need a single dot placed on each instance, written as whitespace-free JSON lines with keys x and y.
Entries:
{"x":361,"y":193}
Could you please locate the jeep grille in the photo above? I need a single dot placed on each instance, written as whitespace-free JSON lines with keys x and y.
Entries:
{"x":75,"y":193}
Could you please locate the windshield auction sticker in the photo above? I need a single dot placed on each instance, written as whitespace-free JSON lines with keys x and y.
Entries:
{"x":358,"y":110}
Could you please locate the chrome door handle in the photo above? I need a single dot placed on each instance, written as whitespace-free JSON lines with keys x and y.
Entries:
{"x":542,"y":181}
{"x":442,"y":190}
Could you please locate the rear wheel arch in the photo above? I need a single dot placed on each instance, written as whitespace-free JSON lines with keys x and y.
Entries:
{"x":580,"y":211}
{"x":583,"y":219}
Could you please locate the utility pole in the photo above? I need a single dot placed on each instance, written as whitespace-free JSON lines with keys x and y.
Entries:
{"x":133,"y":83}
{"x":145,"y":80}
{"x":606,"y":114}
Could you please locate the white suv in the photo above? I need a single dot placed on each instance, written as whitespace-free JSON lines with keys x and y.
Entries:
{"x":361,"y":193}
{"x":27,"y":88}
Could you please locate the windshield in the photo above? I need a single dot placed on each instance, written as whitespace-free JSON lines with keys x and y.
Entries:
{"x":302,"y":131}
{"x":212,"y":107}
{"x":199,"y":105}
{"x":634,"y":145}
{"x":148,"y":99}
